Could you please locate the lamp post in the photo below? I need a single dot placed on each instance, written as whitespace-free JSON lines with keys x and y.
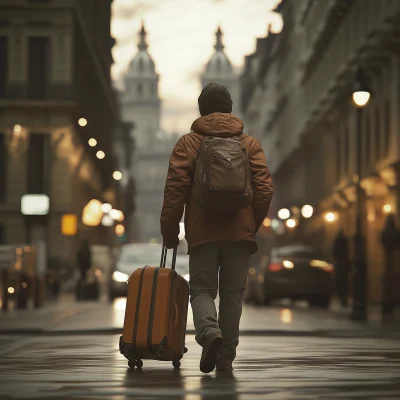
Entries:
{"x":361,"y":96}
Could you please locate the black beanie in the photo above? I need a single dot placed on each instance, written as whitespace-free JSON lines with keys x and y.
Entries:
{"x":214,"y":98}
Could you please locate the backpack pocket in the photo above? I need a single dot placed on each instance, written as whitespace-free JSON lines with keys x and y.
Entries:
{"x":228,"y":171}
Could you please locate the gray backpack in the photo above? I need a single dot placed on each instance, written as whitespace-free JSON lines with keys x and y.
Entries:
{"x":222,"y":180}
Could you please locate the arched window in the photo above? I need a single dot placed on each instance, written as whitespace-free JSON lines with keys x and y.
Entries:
{"x":139,"y":89}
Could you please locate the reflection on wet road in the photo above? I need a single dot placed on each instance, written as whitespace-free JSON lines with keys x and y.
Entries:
{"x":88,"y":367}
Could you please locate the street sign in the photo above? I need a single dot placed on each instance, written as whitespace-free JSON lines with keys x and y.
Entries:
{"x":7,"y":256}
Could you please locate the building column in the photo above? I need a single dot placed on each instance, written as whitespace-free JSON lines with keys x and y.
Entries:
{"x":394,"y":101}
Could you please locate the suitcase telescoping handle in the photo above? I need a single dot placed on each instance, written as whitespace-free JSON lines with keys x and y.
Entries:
{"x":164,"y":257}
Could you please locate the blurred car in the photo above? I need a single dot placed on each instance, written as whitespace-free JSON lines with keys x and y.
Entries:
{"x":297,"y":272}
{"x":137,"y":255}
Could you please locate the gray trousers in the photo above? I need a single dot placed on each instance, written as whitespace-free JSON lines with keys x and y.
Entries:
{"x":227,"y":261}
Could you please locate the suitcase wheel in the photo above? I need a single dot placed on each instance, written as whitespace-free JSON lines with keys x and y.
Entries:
{"x":176,"y":364}
{"x":135,"y":363}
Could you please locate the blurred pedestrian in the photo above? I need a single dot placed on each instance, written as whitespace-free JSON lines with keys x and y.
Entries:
{"x":342,"y":266}
{"x":84,"y":259}
{"x":220,"y":177}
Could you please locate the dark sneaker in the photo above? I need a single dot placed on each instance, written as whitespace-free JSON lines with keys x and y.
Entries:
{"x":210,"y":352}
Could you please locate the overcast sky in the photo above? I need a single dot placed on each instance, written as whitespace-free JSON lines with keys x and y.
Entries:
{"x":181,"y":38}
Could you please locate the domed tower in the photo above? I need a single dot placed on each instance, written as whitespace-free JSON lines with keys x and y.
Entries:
{"x":140,"y":102}
{"x":219,"y":69}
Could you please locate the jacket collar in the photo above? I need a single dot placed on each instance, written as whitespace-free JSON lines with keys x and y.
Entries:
{"x":218,"y":124}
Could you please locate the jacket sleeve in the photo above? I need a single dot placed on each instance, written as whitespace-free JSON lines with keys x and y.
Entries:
{"x":177,"y":190}
{"x":262,"y":183}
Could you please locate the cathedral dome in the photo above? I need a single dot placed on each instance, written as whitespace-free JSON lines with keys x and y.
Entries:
{"x":142,"y":64}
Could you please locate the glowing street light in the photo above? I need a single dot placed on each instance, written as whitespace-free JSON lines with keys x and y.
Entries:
{"x":267,"y":222}
{"x":17,"y":130}
{"x":106,"y":208}
{"x":100,"y":154}
{"x":291,"y":223}
{"x":116,"y":215}
{"x":361,"y":98}
{"x":117,"y":175}
{"x":107,"y":220}
{"x":92,"y":142}
{"x":307,"y":211}
{"x":283,"y":213}
{"x":361,"y":94}
{"x":387,"y":208}
{"x":82,"y":122}
{"x":330,"y":217}
{"x":119,"y":230}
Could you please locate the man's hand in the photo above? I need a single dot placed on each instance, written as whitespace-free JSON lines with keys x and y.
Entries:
{"x":171,"y":243}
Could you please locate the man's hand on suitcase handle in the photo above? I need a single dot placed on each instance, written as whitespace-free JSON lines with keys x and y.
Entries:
{"x":171,"y":243}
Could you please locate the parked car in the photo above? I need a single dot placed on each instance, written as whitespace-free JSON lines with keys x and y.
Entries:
{"x":137,"y":255}
{"x":295,"y":272}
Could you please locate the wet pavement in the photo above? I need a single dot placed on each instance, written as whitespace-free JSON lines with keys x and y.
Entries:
{"x":90,"y":367}
{"x":67,"y":315}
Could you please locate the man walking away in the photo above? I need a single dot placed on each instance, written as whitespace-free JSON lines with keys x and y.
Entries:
{"x":84,"y":259}
{"x":220,"y":176}
{"x":342,"y":266}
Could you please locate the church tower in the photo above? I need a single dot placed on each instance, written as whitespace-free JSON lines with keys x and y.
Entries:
{"x":219,"y":69}
{"x":140,"y":102}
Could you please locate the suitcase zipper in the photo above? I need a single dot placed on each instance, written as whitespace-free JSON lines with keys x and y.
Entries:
{"x":135,"y":326}
{"x":152,"y":307}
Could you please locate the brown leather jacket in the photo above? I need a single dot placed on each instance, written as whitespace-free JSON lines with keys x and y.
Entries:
{"x":200,"y":226}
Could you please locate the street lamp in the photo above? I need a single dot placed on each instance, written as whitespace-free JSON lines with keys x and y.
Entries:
{"x":361,"y":97}
{"x":284,"y":213}
{"x":307,"y":211}
{"x":100,"y":154}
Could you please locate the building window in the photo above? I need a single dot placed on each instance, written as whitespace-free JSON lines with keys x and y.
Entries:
{"x":153,"y":90}
{"x":3,"y":168}
{"x":38,"y":67}
{"x":3,"y":65}
{"x":38,"y":165}
{"x":139,"y":89}
{"x":2,"y":235}
{"x":387,"y":128}
{"x":377,"y":134}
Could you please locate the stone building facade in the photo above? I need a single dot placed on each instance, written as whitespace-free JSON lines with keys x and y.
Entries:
{"x":296,"y":91}
{"x":55,"y":59}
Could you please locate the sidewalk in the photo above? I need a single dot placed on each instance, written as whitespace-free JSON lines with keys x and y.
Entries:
{"x":68,"y":316}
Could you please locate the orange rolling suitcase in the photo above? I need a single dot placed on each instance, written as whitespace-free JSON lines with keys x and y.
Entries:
{"x":155,"y":315}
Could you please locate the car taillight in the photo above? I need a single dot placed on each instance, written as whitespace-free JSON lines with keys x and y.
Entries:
{"x":275,"y":267}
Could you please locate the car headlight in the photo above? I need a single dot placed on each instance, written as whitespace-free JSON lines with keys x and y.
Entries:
{"x":120,"y":276}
